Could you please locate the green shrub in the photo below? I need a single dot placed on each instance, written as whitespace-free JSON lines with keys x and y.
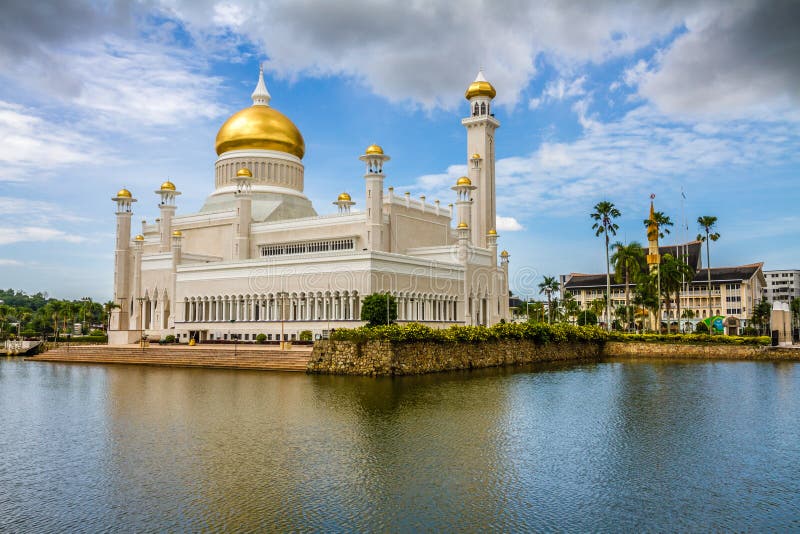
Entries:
{"x":374,"y":309}
{"x":701,"y":328}
{"x":306,"y":335}
{"x":539,"y":333}
{"x":261,"y":338}
{"x":169,"y":339}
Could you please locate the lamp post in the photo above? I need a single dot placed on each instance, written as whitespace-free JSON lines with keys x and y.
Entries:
{"x":141,"y":321}
{"x":283,"y":318}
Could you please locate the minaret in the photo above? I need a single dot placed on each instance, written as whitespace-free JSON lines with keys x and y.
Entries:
{"x":167,"y":192}
{"x":122,"y":260}
{"x":464,"y":189}
{"x":481,"y":126}
{"x":177,"y":237}
{"x":344,"y":202}
{"x":653,"y":256}
{"x":463,"y":253}
{"x":244,"y":207}
{"x":138,"y":248}
{"x":374,"y":159}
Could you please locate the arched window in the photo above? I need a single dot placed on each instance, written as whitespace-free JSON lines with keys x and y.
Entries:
{"x":483,"y":108}
{"x":475,"y":110}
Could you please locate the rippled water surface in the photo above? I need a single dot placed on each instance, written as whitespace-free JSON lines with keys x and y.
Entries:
{"x":616,"y":446}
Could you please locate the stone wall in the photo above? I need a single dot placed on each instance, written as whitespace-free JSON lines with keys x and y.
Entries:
{"x":383,"y":358}
{"x":630,"y":349}
{"x":386,"y":358}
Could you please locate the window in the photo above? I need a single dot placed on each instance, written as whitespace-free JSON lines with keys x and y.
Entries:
{"x":310,"y":247}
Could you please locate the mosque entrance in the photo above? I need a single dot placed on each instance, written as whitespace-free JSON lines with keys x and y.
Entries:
{"x":198,"y":335}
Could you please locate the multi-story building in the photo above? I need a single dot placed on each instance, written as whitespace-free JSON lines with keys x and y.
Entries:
{"x":735,"y":291}
{"x":782,"y":286}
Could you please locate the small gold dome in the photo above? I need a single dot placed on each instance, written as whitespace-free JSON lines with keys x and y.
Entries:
{"x":124,"y":193}
{"x":139,"y":237}
{"x":462,"y":224}
{"x":492,"y":232}
{"x":177,"y":233}
{"x":260,"y":127}
{"x":167,"y":186}
{"x":244,"y":171}
{"x":504,"y":254}
{"x":476,"y":156}
{"x":480,"y":87}
{"x":344,"y":197}
{"x":464,"y":181}
{"x":374,"y":149}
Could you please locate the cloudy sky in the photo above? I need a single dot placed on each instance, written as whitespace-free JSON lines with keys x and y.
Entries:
{"x":598,"y":100}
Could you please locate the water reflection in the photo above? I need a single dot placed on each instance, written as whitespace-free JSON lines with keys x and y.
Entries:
{"x":610,"y":446}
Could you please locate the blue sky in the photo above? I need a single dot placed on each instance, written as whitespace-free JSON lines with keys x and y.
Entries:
{"x":597,"y":100}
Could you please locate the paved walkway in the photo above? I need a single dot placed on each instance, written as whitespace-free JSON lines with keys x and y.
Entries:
{"x":263,"y":357}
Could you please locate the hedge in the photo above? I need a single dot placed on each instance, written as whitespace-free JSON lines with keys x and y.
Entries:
{"x":540,"y":333}
{"x":695,"y":339}
{"x":414,"y":332}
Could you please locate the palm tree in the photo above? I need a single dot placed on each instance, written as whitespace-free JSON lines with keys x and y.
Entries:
{"x":571,"y":306}
{"x":687,"y":314}
{"x":628,"y":262}
{"x":604,"y":214}
{"x":645,"y":296}
{"x":707,"y":223}
{"x":598,"y":305}
{"x":547,"y":286}
{"x":675,"y":271}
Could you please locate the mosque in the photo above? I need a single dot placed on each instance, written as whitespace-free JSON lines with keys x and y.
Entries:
{"x":258,"y":258}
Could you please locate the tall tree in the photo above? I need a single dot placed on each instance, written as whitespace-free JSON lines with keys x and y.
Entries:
{"x":604,"y":214}
{"x":571,"y":306}
{"x":629,"y":261}
{"x":548,"y":285}
{"x":674,"y":272}
{"x":707,"y":223}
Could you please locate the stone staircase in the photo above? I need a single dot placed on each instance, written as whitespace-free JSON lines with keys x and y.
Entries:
{"x":223,"y":356}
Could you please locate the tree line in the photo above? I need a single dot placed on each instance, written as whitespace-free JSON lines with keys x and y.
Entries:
{"x":39,"y":314}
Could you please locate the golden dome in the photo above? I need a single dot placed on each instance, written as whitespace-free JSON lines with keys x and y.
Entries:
{"x":177,"y":233}
{"x":124,"y":193}
{"x":476,"y":156}
{"x":374,"y":149}
{"x":244,"y":171}
{"x":504,"y":254}
{"x":464,"y":181}
{"x":260,"y":127}
{"x":480,"y":87}
{"x":462,"y":224}
{"x":167,"y":186}
{"x":139,"y":237}
{"x":492,"y":232}
{"x":344,"y":197}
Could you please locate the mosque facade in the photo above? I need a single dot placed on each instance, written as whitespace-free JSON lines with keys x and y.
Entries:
{"x":257,"y":257}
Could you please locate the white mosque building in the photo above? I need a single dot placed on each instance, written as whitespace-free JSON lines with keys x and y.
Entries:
{"x":257,"y":258}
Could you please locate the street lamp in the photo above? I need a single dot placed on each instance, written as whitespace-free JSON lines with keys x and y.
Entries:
{"x":141,"y":322}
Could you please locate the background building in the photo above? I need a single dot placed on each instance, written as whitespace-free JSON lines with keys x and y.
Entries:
{"x":782,"y":286}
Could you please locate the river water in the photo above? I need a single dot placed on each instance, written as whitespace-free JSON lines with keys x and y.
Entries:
{"x":615,"y":446}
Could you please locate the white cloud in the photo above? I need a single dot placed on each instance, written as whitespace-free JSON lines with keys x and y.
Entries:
{"x":508,"y":224}
{"x":22,"y":234}
{"x":4,"y":262}
{"x":388,"y":45}
{"x":737,"y":62}
{"x":32,"y":143}
{"x":644,"y":150}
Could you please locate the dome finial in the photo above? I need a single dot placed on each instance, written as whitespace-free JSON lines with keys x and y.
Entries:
{"x":261,"y":96}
